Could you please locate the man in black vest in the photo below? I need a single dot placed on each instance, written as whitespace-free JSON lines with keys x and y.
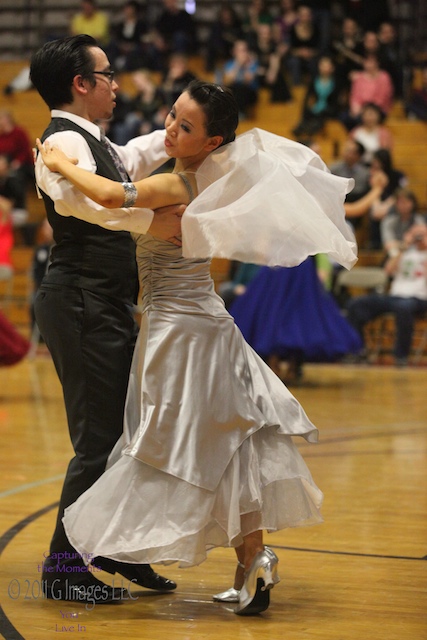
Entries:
{"x":84,"y":305}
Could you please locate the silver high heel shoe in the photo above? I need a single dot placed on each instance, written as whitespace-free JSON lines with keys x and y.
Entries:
{"x":231,"y":595}
{"x":261,"y":577}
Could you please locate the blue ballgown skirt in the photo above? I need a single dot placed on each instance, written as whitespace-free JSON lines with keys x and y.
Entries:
{"x":285,"y":310}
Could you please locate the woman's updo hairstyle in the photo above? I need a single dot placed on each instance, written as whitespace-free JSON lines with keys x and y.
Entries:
{"x":219,"y":106}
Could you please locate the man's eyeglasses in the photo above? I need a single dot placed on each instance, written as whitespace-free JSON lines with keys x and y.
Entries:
{"x":107,"y":74}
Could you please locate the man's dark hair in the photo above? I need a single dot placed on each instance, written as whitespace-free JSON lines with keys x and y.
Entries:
{"x":54,"y":66}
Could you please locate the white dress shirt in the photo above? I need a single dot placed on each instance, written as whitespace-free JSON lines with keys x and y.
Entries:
{"x":141,"y":156}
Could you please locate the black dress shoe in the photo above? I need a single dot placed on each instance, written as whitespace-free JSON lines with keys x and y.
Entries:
{"x":86,"y":589}
{"x":144,"y":576}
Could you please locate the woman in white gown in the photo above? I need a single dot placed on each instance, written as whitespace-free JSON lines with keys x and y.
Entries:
{"x":207,"y":457}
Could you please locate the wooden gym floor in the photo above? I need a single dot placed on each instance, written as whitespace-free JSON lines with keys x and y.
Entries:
{"x":360,"y":574}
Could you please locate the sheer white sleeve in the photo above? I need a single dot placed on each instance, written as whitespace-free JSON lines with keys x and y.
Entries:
{"x":268,"y":200}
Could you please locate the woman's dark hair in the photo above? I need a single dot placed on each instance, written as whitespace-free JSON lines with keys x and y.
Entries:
{"x":374,"y":107}
{"x":54,"y":66}
{"x":220,"y":108}
{"x":384,"y":158}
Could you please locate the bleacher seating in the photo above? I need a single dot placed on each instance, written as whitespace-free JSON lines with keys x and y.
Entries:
{"x":410,"y":155}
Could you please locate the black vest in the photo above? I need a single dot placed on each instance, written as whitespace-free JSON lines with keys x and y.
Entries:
{"x":85,"y":255}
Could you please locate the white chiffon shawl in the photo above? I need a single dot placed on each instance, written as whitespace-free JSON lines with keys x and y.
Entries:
{"x":268,"y":200}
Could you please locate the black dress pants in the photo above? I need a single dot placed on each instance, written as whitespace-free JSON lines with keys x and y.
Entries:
{"x":91,"y":339}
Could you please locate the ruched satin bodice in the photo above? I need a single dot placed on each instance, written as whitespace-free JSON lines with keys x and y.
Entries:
{"x":170,"y":282}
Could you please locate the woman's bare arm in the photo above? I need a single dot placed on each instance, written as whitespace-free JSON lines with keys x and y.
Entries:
{"x":358,"y":208}
{"x":156,"y":191}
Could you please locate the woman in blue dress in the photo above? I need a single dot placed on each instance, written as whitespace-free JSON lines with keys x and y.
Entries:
{"x":286,"y":314}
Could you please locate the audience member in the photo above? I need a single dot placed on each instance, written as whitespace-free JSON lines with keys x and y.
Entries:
{"x":371,"y":132}
{"x":346,"y":47}
{"x":416,"y":103}
{"x":284,"y":22}
{"x":9,"y":185}
{"x":369,"y":45}
{"x":176,"y":77}
{"x":257,"y":13}
{"x":92,"y":21}
{"x":145,"y":111}
{"x":15,"y":144}
{"x":401,"y":217}
{"x":287,"y":315}
{"x":126,"y":48}
{"x":223,"y":33}
{"x":390,"y":56}
{"x":407,"y":296}
{"x":371,"y":85}
{"x":240,"y":74}
{"x":322,"y":100}
{"x":322,"y":15}
{"x":173,"y":31}
{"x":351,"y":166}
{"x":271,"y":70}
{"x":382,"y":161}
{"x":304,"y":46}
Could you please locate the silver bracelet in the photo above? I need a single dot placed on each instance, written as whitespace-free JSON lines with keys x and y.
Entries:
{"x":130,"y":194}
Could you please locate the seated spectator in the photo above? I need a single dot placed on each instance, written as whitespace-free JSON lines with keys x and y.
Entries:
{"x":365,"y":45}
{"x":173,"y":31}
{"x":304,"y":46}
{"x":372,"y":85}
{"x":407,"y":296}
{"x":361,"y":206}
{"x":9,"y":186}
{"x":369,"y":45}
{"x":240,"y":74}
{"x":271,"y":71}
{"x":126,"y":49}
{"x":92,"y":21}
{"x":401,"y":217}
{"x":284,"y":22}
{"x":322,"y":16}
{"x":176,"y":77}
{"x":321,"y":101}
{"x":382,"y":161}
{"x":15,"y":144}
{"x":351,"y":166}
{"x":416,"y":104}
{"x":390,"y":56}
{"x":225,"y":30}
{"x":346,"y":48}
{"x":371,"y":132}
{"x":145,"y":111}
{"x":257,"y":13}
